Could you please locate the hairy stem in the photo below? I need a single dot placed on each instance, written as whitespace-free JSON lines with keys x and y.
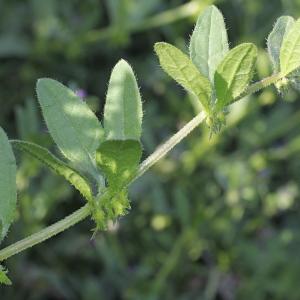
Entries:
{"x":46,"y":233}
{"x":161,"y":151}
{"x":84,"y":212}
{"x":255,"y":87}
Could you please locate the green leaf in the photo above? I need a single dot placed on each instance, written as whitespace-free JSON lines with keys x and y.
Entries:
{"x":234,"y":73}
{"x":8,"y":187}
{"x":55,"y":165}
{"x":209,"y":42}
{"x":72,"y":125}
{"x":123,"y":108}
{"x":275,"y":39}
{"x":290,"y":50}
{"x":180,"y":68}
{"x":3,"y":277}
{"x":119,"y":161}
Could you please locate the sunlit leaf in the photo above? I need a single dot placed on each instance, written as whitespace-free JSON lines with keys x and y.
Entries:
{"x":234,"y":73}
{"x":275,"y":39}
{"x":72,"y":125}
{"x":209,"y":42}
{"x":123,"y":108}
{"x":119,"y":161}
{"x":180,"y":68}
{"x":290,"y":50}
{"x":3,"y":277}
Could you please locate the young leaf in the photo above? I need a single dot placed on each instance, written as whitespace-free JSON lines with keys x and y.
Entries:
{"x":123,"y":108}
{"x":3,"y":277}
{"x":290,"y":50}
{"x":275,"y":39}
{"x":180,"y":68}
{"x":119,"y":161}
{"x":234,"y":73}
{"x":73,"y":126}
{"x":55,"y":165}
{"x":8,"y":188}
{"x":209,"y":42}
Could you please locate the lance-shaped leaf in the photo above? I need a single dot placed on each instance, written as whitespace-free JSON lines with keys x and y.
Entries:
{"x":72,"y":125}
{"x":290,"y":50}
{"x":234,"y":73}
{"x":180,"y":68}
{"x":123,"y":108}
{"x":55,"y":165}
{"x":3,"y":277}
{"x":209,"y":42}
{"x":275,"y":39}
{"x":119,"y":161}
{"x":8,"y":189}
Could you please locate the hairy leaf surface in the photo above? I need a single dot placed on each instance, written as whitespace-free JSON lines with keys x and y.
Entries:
{"x":119,"y":161}
{"x":178,"y":65}
{"x":234,"y":73}
{"x":73,"y":126}
{"x":123,"y":108}
{"x":209,"y":42}
{"x":8,"y":186}
{"x":55,"y":165}
{"x":275,"y":39}
{"x":290,"y":50}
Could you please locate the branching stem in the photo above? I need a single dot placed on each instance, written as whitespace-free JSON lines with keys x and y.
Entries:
{"x":161,"y":151}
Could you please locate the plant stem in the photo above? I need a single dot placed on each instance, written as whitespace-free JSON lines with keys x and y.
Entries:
{"x":255,"y":87}
{"x":46,"y":233}
{"x":84,"y":212}
{"x":160,"y":152}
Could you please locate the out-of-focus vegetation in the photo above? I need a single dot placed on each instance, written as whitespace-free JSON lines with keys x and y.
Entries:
{"x":219,"y":218}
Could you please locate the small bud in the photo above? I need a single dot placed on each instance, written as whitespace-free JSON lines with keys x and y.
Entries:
{"x":282,"y":85}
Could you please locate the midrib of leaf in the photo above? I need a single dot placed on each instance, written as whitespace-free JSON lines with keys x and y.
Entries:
{"x":209,"y":45}
{"x":181,"y":68}
{"x":124,"y":107}
{"x":235,"y":71}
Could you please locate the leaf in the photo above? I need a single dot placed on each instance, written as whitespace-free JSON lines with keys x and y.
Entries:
{"x":3,"y":277}
{"x":55,"y":165}
{"x":290,"y":50}
{"x":209,"y":42}
{"x":123,"y":108}
{"x":180,"y":68}
{"x":8,"y":187}
{"x":275,"y":39}
{"x":119,"y":161}
{"x":72,"y":125}
{"x":234,"y":73}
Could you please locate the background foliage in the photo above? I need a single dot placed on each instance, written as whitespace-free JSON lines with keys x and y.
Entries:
{"x":217,"y":219}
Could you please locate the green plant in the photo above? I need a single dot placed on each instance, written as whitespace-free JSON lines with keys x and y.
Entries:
{"x":103,"y":161}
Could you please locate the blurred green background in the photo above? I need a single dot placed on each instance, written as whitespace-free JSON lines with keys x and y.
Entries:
{"x":218,"y":218}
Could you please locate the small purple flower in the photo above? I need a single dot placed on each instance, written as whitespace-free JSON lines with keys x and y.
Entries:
{"x":81,"y":93}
